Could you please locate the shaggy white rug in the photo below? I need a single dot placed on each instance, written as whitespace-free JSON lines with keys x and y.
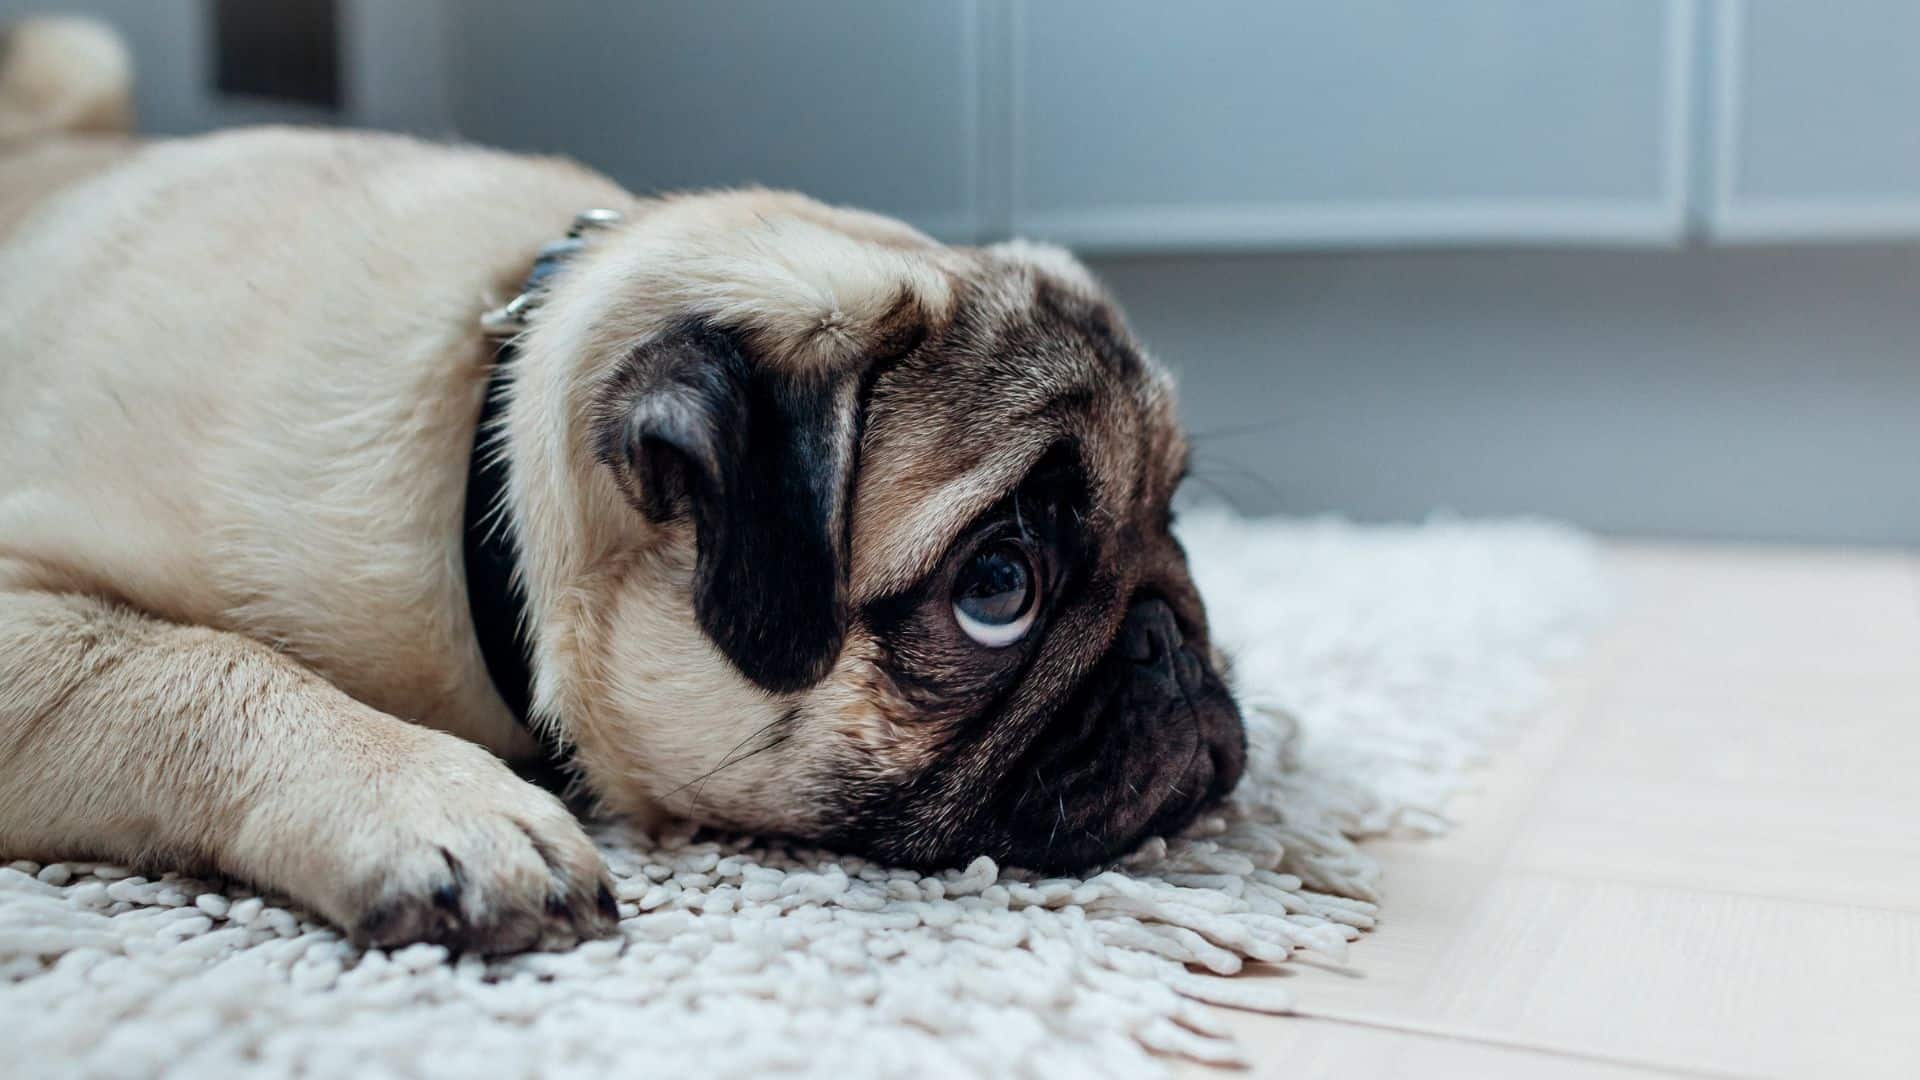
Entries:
{"x":1401,"y":652}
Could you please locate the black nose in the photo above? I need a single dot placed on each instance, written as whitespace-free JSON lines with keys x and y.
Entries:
{"x":1151,"y":638}
{"x":1150,"y":634}
{"x":1164,"y":665}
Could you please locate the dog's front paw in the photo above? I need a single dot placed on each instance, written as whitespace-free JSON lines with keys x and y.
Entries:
{"x":451,"y":849}
{"x":505,"y":872}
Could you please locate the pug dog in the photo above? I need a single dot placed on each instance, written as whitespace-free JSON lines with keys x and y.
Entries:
{"x":767,"y":514}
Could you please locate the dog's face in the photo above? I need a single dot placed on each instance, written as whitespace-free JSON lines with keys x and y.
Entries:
{"x":831,"y":531}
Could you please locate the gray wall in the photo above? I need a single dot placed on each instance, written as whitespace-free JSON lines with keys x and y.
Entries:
{"x":1761,"y":393}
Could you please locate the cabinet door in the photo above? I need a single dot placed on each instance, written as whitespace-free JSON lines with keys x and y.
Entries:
{"x":1302,"y":124}
{"x":1814,"y":109}
{"x":867,"y":102}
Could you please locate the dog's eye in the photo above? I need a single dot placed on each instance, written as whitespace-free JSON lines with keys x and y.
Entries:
{"x":997,"y":595}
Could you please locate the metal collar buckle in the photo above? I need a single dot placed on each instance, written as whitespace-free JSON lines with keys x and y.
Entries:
{"x":510,"y":318}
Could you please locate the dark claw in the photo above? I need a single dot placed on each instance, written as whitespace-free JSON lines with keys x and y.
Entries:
{"x":375,"y":922}
{"x":604,"y":899}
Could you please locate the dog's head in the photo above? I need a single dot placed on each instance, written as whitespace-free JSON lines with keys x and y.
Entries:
{"x":832,"y":531}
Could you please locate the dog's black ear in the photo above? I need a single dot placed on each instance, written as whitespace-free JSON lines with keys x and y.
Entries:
{"x":760,"y":462}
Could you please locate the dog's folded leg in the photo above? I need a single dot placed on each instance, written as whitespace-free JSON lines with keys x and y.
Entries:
{"x":127,"y":738}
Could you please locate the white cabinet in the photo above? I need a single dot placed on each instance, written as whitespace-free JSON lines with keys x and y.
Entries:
{"x":868,"y":102}
{"x":1815,"y":112}
{"x":1300,"y":123}
{"x":1136,"y":125}
{"x":1128,"y":125}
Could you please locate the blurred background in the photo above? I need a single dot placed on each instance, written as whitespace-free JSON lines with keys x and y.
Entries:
{"x":1649,"y":266}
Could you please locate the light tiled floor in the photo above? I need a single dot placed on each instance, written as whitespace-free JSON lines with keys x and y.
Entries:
{"x":1703,"y":860}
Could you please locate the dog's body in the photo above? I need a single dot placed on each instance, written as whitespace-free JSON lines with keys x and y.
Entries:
{"x":238,"y":393}
{"x":266,"y":430}
{"x":263,"y":432}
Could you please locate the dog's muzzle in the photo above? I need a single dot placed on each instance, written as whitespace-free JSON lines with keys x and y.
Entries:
{"x":1151,"y":740}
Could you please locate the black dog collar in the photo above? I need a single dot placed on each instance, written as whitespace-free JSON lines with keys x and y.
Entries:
{"x":493,"y":597}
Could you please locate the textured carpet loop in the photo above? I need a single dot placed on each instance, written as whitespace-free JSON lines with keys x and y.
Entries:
{"x":1375,"y":666}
